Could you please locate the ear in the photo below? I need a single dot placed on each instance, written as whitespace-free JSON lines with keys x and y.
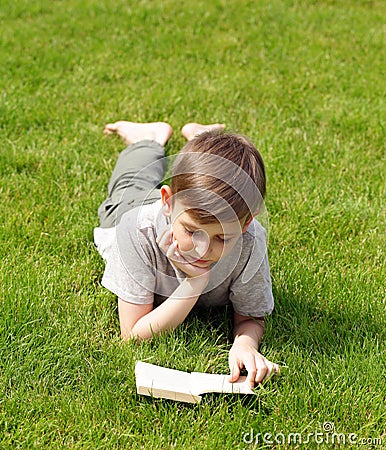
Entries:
{"x":246,"y":224}
{"x":166,"y":198}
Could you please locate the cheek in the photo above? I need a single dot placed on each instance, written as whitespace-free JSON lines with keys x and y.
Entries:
{"x":185,"y":243}
{"x":222,"y":250}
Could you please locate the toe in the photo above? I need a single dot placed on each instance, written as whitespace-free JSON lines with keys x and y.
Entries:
{"x":110,"y":128}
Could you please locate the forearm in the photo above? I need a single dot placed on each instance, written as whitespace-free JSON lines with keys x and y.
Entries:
{"x":249,"y":332}
{"x":171,"y":313}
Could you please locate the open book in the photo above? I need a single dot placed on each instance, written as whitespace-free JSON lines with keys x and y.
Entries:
{"x":161,"y":382}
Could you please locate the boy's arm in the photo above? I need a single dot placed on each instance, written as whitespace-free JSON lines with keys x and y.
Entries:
{"x":248,"y":333}
{"x":142,"y":321}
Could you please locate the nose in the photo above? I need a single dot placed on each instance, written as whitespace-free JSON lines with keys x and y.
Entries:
{"x":201,"y":242}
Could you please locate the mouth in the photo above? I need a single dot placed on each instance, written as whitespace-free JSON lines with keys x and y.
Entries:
{"x":194,"y":261}
{"x":201,"y":263}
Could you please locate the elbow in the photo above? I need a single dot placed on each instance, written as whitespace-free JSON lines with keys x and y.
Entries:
{"x":136,"y":334}
{"x":127,"y":335}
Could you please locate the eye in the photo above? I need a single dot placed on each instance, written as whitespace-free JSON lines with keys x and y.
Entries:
{"x":223,"y":240}
{"x":190,"y":233}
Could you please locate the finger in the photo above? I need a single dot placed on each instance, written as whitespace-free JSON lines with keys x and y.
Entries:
{"x":176,"y":251}
{"x":165,"y":238}
{"x":177,"y":255}
{"x":252,"y":378}
{"x":273,"y":369}
{"x":262,"y":370}
{"x":171,"y":250}
{"x":165,"y":230}
{"x":160,"y":238}
{"x":251,"y":367}
{"x":235,"y":372}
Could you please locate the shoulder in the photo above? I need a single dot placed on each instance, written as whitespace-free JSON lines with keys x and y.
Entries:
{"x":254,"y":253}
{"x":141,"y":217}
{"x":254,"y":238}
{"x":255,"y":230}
{"x":136,"y":226}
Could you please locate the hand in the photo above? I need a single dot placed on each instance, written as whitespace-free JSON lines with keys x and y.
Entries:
{"x":169,"y":246}
{"x":258,"y":367}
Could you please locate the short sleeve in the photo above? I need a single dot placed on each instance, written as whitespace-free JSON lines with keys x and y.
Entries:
{"x":128,"y":271}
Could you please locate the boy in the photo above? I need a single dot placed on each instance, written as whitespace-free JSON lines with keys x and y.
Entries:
{"x":191,"y":243}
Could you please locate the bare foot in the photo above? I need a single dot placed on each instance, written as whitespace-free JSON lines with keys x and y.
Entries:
{"x":131,"y":132}
{"x":191,"y":130}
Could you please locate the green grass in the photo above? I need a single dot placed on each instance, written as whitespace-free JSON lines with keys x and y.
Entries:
{"x":305,"y":80}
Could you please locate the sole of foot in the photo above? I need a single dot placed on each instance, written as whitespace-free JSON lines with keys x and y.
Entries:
{"x":191,"y":130}
{"x":132,"y":132}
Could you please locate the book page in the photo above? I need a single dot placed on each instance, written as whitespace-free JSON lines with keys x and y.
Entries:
{"x":161,"y":382}
{"x":202,"y":383}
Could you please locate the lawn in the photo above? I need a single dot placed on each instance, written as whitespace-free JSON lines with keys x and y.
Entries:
{"x":303,"y":79}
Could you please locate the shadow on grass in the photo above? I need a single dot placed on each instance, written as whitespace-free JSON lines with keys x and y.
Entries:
{"x":233,"y":403}
{"x":319,"y":329}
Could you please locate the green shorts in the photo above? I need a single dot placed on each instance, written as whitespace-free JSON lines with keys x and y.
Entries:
{"x":135,"y":181}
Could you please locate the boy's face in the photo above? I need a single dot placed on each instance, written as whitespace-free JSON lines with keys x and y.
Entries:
{"x":203,"y":244}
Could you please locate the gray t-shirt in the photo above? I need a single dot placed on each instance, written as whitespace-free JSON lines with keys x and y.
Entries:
{"x":137,"y":271}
